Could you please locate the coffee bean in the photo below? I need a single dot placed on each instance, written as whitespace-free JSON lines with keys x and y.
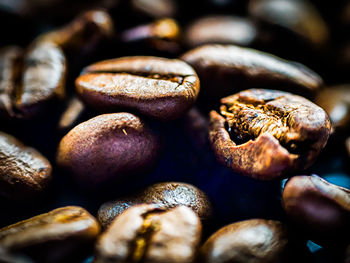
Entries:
{"x":107,"y":147}
{"x":322,"y":209}
{"x":250,"y":241}
{"x":147,"y":233}
{"x":155,"y":8}
{"x":82,"y":33}
{"x":24,"y":172}
{"x":336,"y":102}
{"x":29,"y":83}
{"x":74,"y":113}
{"x":299,"y":17}
{"x":266,"y":134}
{"x":57,"y":236}
{"x":168,"y":195}
{"x":157,"y":87}
{"x":220,"y":30}
{"x":226,"y":69}
{"x":160,"y":35}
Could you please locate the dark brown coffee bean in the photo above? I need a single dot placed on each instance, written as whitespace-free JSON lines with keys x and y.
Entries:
{"x":161,"y":88}
{"x":106,"y":147}
{"x":250,"y":241}
{"x":147,"y":233}
{"x":220,"y":30}
{"x":29,"y":83}
{"x":336,"y":102}
{"x":82,"y":33}
{"x":299,"y":17}
{"x":168,"y":195}
{"x":266,"y":134}
{"x":226,"y":69}
{"x":24,"y":172}
{"x":52,"y":237}
{"x":322,"y":209}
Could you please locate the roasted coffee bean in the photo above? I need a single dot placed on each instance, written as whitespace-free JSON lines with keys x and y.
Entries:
{"x":147,"y":233}
{"x":155,"y":8}
{"x":322,"y":209}
{"x":157,"y":87}
{"x":161,"y":35}
{"x":336,"y":102}
{"x":57,"y":236}
{"x":266,"y":134}
{"x":226,"y":69}
{"x":82,"y":33}
{"x":221,"y":30}
{"x":74,"y":113}
{"x":250,"y":241}
{"x":29,"y":83}
{"x":24,"y":172}
{"x":107,"y":147}
{"x":299,"y":17}
{"x":168,"y":195}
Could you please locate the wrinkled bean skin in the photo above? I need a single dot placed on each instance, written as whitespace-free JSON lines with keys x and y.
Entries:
{"x":52,"y":237}
{"x":168,"y":195}
{"x":107,"y":147}
{"x":147,"y":233}
{"x":226,"y":69}
{"x":30,"y":80}
{"x":266,"y":134}
{"x":250,"y":241}
{"x":24,"y":172}
{"x":161,"y":88}
{"x":322,"y":209}
{"x":220,"y":30}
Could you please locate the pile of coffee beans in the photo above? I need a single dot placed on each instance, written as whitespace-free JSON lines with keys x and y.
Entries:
{"x":168,"y":131}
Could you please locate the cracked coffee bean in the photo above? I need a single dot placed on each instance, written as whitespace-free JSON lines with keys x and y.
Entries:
{"x":221,"y":30}
{"x":60,"y":235}
{"x":250,"y":241}
{"x":24,"y":172}
{"x":161,"y":88}
{"x":168,"y":195}
{"x":147,"y":233}
{"x":267,"y":134}
{"x":107,"y":147}
{"x":30,"y":80}
{"x":320,"y":208}
{"x":226,"y":69}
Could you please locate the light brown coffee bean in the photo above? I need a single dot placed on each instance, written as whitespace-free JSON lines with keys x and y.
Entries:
{"x":167,"y":194}
{"x":147,"y":233}
{"x":31,"y":80}
{"x":24,"y":172}
{"x":108,"y":147}
{"x":56,"y":236}
{"x":266,"y":134}
{"x":220,"y":30}
{"x":250,"y":241}
{"x":157,"y":87}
